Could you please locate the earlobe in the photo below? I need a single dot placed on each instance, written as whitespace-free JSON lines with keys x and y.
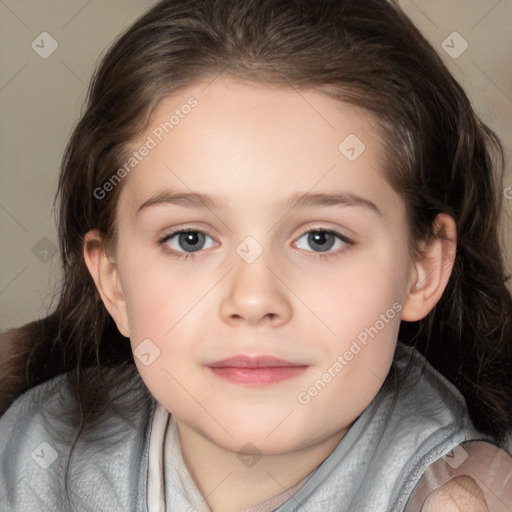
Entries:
{"x":105,"y":274}
{"x":432,"y":270}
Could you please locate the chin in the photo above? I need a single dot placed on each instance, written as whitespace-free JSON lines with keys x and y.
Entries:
{"x":269,"y":435}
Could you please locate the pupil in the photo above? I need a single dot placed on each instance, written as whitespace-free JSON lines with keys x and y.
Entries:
{"x":191,"y":241}
{"x":321,"y":240}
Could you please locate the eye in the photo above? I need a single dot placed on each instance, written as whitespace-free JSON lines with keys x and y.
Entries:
{"x":322,"y":240}
{"x":188,"y":241}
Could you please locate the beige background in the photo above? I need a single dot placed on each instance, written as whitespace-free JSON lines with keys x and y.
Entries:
{"x":40,"y":100}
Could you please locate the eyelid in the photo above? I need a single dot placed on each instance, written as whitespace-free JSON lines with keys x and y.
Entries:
{"x":333,"y":231}
{"x":328,"y":229}
{"x":162,"y":241}
{"x":183,"y":228}
{"x":347,"y":241}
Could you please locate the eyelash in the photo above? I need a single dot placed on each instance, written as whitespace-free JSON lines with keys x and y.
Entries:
{"x":176,"y":254}
{"x":348,"y":243}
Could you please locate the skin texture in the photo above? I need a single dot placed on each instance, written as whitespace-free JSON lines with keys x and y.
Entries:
{"x":460,"y":494}
{"x":253,"y":147}
{"x":475,"y":477}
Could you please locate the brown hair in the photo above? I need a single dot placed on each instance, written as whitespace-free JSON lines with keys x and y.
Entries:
{"x":441,"y":158}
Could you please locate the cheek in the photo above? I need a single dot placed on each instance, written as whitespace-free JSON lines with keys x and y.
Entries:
{"x":361,"y":303}
{"x":162,"y":337}
{"x":353,"y":294}
{"x":166,"y":313}
{"x":158,"y":295}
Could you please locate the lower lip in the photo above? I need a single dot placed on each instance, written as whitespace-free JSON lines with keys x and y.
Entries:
{"x":257,"y":376}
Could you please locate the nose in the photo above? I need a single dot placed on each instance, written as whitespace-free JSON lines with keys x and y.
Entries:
{"x":255,"y":295}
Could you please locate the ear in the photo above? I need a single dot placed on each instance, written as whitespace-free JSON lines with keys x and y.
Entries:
{"x":105,"y":274}
{"x":432,"y":270}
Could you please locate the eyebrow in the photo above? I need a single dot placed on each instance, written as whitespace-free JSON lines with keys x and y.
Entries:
{"x":332,"y":199}
{"x":299,"y":200}
{"x":188,"y":200}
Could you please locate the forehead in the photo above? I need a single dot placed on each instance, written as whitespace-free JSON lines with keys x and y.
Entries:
{"x":246,"y":142}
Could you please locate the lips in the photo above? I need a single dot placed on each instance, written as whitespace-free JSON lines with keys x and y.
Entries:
{"x":255,"y":370}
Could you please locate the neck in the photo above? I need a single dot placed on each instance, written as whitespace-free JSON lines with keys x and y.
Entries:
{"x":230,"y":482}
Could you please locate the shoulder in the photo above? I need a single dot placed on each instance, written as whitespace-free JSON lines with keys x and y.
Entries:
{"x":475,"y":476}
{"x":460,"y":493}
{"x":41,"y":452}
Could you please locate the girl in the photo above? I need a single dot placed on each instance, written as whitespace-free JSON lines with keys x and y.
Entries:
{"x":268,"y":211}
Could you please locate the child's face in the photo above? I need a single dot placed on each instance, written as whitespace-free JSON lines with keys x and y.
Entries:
{"x":330,"y":308}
